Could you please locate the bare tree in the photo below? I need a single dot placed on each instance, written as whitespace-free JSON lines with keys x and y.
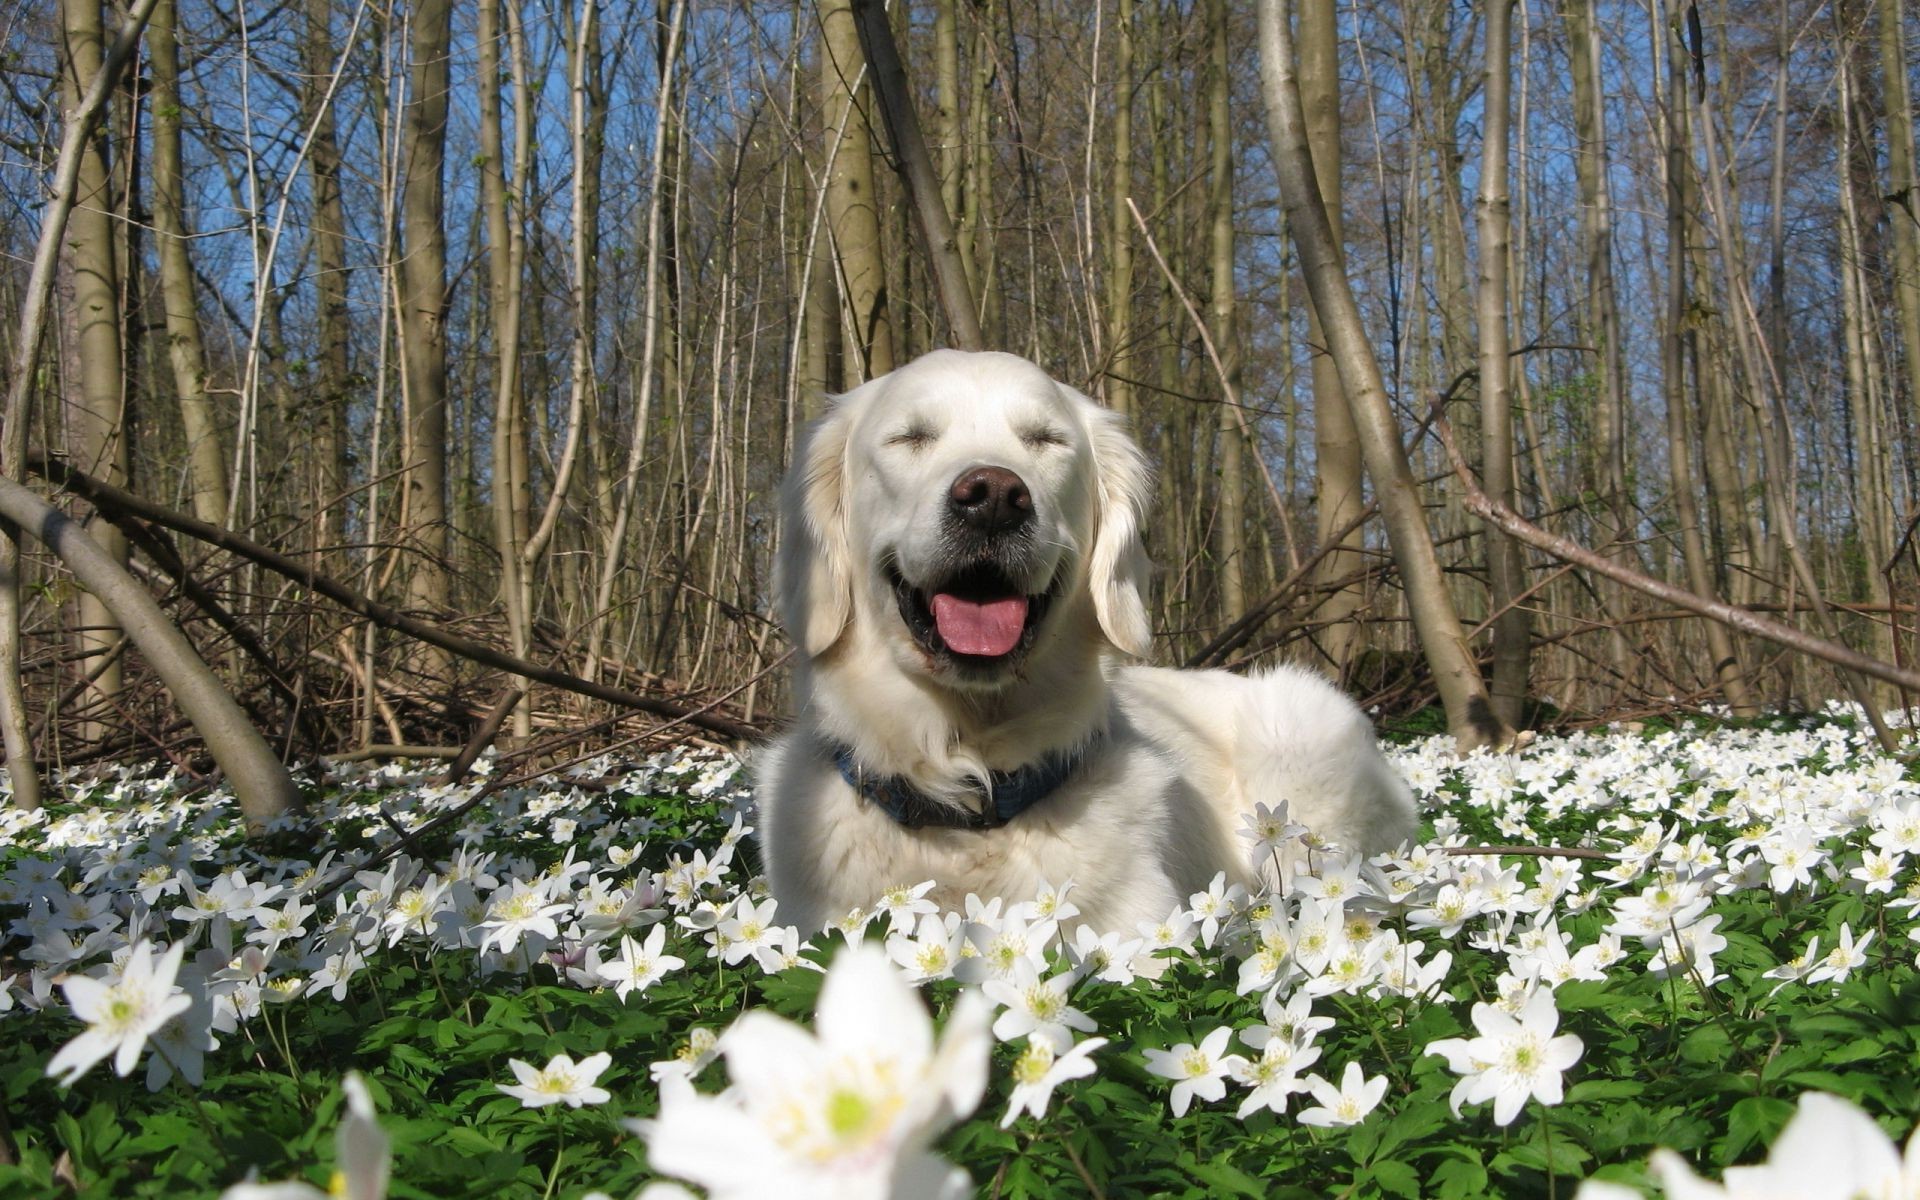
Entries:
{"x":1469,"y":717}
{"x":1337,"y":459}
{"x":423,"y":313}
{"x":206,"y":462}
{"x":1680,"y":439}
{"x":1230,"y":549}
{"x":853,"y":217}
{"x":1512,"y":630}
{"x":95,"y":412}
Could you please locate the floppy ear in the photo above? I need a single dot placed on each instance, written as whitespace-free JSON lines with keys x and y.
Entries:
{"x":1118,"y":568}
{"x":814,"y":575}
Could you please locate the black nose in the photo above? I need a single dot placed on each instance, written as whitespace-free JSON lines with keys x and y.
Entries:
{"x":991,"y":499}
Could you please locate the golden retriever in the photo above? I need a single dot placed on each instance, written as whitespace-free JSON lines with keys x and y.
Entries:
{"x":963,"y":572}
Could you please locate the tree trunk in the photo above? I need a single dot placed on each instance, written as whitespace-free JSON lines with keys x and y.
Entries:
{"x":1591,"y":164}
{"x":335,"y":360}
{"x":1336,"y":441}
{"x":423,"y":309}
{"x":917,"y":173}
{"x":1119,"y":331}
{"x":506,"y":251}
{"x":1901,"y":194}
{"x":94,"y":382}
{"x":1229,"y":528}
{"x":1506,"y":572}
{"x":1469,"y":716}
{"x":206,"y":465}
{"x":1680,"y":425}
{"x":853,"y":218}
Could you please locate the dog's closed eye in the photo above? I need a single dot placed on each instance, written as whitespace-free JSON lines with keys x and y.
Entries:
{"x":1035,"y":437}
{"x":913,"y":437}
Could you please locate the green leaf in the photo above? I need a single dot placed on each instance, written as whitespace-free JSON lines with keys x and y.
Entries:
{"x":1396,"y":1179}
{"x":1459,"y":1179}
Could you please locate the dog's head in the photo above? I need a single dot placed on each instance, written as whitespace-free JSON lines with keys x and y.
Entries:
{"x":962,"y":509}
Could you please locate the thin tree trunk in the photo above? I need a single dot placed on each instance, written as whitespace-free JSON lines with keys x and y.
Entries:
{"x":1506,"y":572}
{"x":506,"y":242}
{"x":1902,"y":192}
{"x":94,"y":381}
{"x":206,"y":463}
{"x":1591,"y":165}
{"x":890,"y":87}
{"x":330,"y":281}
{"x":1469,"y":716}
{"x":1872,"y":481}
{"x":614,"y":547}
{"x":1229,"y":529}
{"x":853,"y":218}
{"x":1119,"y":332}
{"x":1336,"y":441}
{"x":423,"y":311}
{"x":1680,"y":441}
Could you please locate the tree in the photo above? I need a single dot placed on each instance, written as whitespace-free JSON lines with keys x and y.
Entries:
{"x":853,"y":217}
{"x":423,"y":316}
{"x":95,"y":412}
{"x":1512,"y":630}
{"x":1469,"y":717}
{"x":1336,"y":440}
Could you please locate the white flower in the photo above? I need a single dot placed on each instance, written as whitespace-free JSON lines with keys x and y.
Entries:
{"x":1843,"y":960}
{"x":844,"y":1112}
{"x":1037,"y":1072}
{"x":1691,"y":952}
{"x":1830,"y":1150}
{"x":999,"y":947}
{"x":1215,"y":905}
{"x":1036,"y":1008}
{"x":1511,"y":1060}
{"x":640,"y":965}
{"x":1105,"y":956}
{"x":518,"y":911}
{"x":1347,"y":1104}
{"x":561,"y":1080}
{"x":748,"y":931}
{"x":701,"y":1048}
{"x":121,"y":1014}
{"x":1275,"y":1075}
{"x":930,"y":953}
{"x":1049,"y":903}
{"x":1196,"y":1070}
{"x":902,"y":904}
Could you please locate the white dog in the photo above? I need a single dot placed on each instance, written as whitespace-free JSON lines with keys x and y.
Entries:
{"x":963,"y":572}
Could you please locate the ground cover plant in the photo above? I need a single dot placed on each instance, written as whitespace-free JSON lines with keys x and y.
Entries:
{"x":579,"y":986}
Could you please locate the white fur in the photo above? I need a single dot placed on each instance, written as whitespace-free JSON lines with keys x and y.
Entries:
{"x":1178,"y":757}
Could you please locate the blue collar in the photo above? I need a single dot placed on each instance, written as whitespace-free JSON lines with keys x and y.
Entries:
{"x":1010,"y":792}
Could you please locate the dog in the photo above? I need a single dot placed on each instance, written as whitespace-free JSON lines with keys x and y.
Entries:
{"x":963,"y":575}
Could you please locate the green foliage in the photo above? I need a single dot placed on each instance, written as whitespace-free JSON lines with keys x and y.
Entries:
{"x":1711,"y":1072}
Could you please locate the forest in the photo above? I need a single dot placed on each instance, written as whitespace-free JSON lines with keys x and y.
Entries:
{"x":398,"y":395}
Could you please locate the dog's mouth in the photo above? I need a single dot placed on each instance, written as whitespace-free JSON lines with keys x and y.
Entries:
{"x":977,"y":617}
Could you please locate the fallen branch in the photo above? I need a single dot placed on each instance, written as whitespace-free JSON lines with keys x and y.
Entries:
{"x":260,"y":780}
{"x":1744,"y":620}
{"x":118,"y":505}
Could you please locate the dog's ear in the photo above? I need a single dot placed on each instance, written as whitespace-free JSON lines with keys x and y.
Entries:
{"x":814,"y":575}
{"x":1118,"y":569}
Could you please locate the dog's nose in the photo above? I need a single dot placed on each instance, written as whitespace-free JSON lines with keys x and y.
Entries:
{"x":991,"y":499}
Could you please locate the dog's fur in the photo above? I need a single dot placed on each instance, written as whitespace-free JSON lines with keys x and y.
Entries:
{"x":1173,"y":760}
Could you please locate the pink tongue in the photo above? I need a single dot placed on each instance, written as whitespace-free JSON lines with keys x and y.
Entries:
{"x":989,"y":629}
